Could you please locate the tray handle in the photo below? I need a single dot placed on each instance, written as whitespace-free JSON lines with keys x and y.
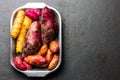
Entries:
{"x":35,"y":5}
{"x":36,"y":73}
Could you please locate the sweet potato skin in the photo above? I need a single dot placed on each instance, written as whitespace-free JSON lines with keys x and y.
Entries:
{"x":33,"y":13}
{"x":20,"y":64}
{"x":28,"y":66}
{"x":32,"y":40}
{"x":49,"y":26}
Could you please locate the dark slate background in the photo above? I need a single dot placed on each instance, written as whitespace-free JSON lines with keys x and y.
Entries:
{"x":91,"y":40}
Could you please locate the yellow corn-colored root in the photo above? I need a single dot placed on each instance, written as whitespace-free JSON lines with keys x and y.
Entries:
{"x":21,"y":37}
{"x":17,"y":24}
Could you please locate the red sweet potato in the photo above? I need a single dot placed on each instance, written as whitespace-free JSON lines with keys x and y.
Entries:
{"x":32,"y":40}
{"x":20,"y":64}
{"x":29,"y":67}
{"x":49,"y":26}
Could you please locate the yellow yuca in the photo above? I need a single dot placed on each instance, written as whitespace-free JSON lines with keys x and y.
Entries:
{"x":17,"y":24}
{"x":21,"y":37}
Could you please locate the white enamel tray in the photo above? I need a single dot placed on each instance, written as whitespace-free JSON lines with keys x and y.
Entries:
{"x":39,"y":72}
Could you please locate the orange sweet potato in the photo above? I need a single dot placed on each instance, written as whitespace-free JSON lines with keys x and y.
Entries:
{"x":29,"y":67}
{"x":54,"y":46}
{"x":54,"y":62}
{"x":49,"y":56}
{"x":43,"y":50}
{"x":35,"y":60}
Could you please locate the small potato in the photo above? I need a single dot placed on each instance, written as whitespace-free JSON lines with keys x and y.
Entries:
{"x":49,"y":56}
{"x":29,"y":67}
{"x":35,"y":60}
{"x":54,"y":62}
{"x":37,"y":11}
{"x":43,"y":50}
{"x":19,"y":63}
{"x":33,"y":13}
{"x":54,"y":46}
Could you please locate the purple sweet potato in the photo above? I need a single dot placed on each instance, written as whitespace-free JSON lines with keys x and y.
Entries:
{"x":49,"y":26}
{"x":32,"y":40}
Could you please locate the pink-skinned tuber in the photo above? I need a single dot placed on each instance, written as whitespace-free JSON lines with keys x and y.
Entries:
{"x":32,"y":39}
{"x":33,"y":13}
{"x":21,"y":64}
{"x":49,"y":25}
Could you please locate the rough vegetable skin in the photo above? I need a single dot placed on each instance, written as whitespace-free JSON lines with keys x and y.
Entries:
{"x":21,"y":38}
{"x":49,"y":26}
{"x":32,"y":39}
{"x":17,"y":24}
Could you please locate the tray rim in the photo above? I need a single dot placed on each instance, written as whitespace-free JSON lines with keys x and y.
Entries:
{"x":39,"y":73}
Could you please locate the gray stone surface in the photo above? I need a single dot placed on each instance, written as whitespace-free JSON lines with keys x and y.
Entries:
{"x":91,"y":45}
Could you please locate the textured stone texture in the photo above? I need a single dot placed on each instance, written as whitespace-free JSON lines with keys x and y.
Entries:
{"x":91,"y":45}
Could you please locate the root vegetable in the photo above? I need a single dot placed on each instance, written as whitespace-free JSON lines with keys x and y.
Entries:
{"x":33,"y":13}
{"x":54,"y":62}
{"x":54,"y":46}
{"x":21,"y":38}
{"x":49,"y":56}
{"x":17,"y":25}
{"x":35,"y":60}
{"x":32,"y":40}
{"x":22,"y":65}
{"x":43,"y":50}
{"x":29,"y":67}
{"x":37,"y":11}
{"x":49,"y":26}
{"x":19,"y":64}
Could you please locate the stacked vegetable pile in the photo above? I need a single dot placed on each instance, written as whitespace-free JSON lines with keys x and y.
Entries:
{"x":35,"y":31}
